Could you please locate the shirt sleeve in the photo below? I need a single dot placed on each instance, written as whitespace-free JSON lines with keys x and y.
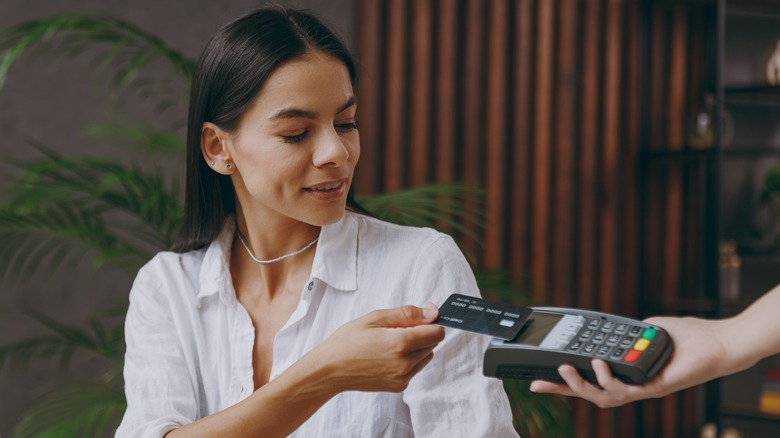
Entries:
{"x":450,"y":397}
{"x":158,"y":384}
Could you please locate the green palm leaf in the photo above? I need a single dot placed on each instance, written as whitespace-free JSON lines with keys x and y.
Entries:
{"x":129,"y":48}
{"x":440,"y":201}
{"x":65,"y":340}
{"x":136,"y":136}
{"x":771,"y":189}
{"x":150,"y":203}
{"x":499,"y":285}
{"x":538,"y":414}
{"x":83,"y":410}
{"x":451,"y":207}
{"x":45,"y":238}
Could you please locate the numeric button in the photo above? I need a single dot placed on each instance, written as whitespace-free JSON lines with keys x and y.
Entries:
{"x":603,"y":351}
{"x":617,"y":354}
{"x":589,"y":349}
{"x":584,"y":336}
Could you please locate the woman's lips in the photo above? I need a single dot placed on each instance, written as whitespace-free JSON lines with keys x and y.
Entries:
{"x":327,"y":191}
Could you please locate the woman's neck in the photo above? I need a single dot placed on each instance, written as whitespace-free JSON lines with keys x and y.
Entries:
{"x":274,"y":239}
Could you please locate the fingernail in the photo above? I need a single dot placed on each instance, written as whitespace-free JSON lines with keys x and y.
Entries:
{"x":429,"y":310}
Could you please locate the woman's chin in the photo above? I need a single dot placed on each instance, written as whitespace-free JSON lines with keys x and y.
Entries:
{"x":326,"y":217}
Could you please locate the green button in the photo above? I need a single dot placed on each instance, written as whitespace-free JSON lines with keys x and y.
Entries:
{"x":649,"y":334}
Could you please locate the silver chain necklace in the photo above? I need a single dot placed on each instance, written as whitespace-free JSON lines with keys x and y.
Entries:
{"x":265,"y":262}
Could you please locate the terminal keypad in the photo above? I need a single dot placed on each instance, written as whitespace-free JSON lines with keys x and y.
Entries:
{"x":603,"y":338}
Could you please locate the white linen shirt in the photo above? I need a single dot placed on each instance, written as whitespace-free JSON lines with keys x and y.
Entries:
{"x":190,"y":342}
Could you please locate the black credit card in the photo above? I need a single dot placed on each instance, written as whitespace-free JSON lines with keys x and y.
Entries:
{"x":478,"y":315}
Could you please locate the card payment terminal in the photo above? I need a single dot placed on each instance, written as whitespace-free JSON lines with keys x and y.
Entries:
{"x":551,"y":336}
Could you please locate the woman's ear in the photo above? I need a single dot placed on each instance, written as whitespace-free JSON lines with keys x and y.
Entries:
{"x":213,"y":142}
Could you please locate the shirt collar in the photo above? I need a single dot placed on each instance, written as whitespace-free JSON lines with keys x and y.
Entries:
{"x":335,"y":262}
{"x":215,"y":271}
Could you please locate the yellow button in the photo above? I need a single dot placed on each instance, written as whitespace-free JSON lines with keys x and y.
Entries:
{"x":641,"y":344}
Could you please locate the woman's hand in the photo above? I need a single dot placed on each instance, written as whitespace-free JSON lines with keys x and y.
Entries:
{"x":380,"y":351}
{"x":700,"y":354}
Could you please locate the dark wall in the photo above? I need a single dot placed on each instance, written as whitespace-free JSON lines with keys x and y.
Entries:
{"x":50,"y":99}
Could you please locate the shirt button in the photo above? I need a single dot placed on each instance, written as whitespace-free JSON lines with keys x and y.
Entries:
{"x":311,"y":285}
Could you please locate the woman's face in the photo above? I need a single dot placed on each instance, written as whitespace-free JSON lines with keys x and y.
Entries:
{"x":296,"y":147}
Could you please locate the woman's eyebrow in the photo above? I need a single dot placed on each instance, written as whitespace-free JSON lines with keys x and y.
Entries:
{"x":351,"y":101}
{"x":295,"y":113}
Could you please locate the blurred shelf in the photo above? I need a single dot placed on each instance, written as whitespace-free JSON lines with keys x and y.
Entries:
{"x":679,"y":154}
{"x":711,"y":154}
{"x":738,"y":153}
{"x":756,"y":8}
{"x":753,"y":94}
{"x":750,"y":255}
{"x":769,"y":7}
{"x":749,"y":414}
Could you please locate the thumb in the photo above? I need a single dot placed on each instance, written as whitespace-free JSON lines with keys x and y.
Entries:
{"x":407,"y":316}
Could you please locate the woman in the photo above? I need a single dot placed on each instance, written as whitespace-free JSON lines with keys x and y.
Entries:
{"x":266,"y":320}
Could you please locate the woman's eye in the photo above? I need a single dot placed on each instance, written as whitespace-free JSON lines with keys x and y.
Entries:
{"x":346,"y":127}
{"x":294,"y":138}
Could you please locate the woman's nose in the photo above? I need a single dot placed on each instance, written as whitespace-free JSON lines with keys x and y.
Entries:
{"x":330,"y":150}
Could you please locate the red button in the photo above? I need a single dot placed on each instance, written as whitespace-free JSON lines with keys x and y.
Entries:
{"x":632,"y":356}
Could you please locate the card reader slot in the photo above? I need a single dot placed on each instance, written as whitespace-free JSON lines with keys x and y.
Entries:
{"x":542,"y":373}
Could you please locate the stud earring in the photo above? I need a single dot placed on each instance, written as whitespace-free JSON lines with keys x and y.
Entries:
{"x":228,"y":166}
{"x":212,"y":164}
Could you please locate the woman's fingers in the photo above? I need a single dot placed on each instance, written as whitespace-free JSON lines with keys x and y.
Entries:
{"x":420,"y":337}
{"x":609,"y":392}
{"x":405,"y":316}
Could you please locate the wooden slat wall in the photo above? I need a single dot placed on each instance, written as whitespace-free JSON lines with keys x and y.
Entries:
{"x":538,"y":102}
{"x":673,"y":220}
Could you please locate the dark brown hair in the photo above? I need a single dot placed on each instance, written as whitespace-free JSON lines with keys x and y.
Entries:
{"x":232,"y":69}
